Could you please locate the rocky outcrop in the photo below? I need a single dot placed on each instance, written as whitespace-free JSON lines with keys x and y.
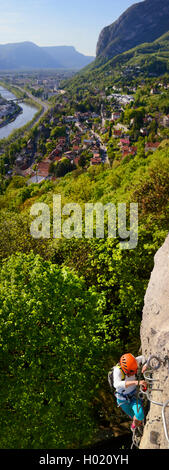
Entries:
{"x":142,"y":22}
{"x":155,"y":341}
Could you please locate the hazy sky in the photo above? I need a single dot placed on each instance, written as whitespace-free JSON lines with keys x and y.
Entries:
{"x":58,"y":22}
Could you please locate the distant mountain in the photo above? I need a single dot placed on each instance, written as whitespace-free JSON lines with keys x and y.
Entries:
{"x":27,"y":55}
{"x":68,"y":57}
{"x":24,"y":55}
{"x":142,"y":22}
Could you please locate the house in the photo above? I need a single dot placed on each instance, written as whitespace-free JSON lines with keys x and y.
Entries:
{"x":43,"y":168}
{"x":57,"y":158}
{"x":28,"y":172}
{"x":76,"y":161}
{"x":124,"y":142}
{"x":166,"y":121}
{"x":115,"y":115}
{"x":95,"y":161}
{"x":55,"y":153}
{"x":129,"y":150}
{"x":151,"y":146}
{"x":76,"y":148}
{"x":117,"y":133}
{"x":96,"y":155}
{"x":69,"y":119}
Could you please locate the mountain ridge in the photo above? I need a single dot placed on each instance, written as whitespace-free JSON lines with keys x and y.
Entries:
{"x":138,"y":24}
{"x":148,"y":59}
{"x":27,"y":55}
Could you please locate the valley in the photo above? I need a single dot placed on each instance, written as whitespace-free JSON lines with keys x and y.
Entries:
{"x":70,"y":306}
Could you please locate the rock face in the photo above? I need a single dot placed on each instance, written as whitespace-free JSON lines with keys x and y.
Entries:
{"x":142,"y":22}
{"x":155,"y":341}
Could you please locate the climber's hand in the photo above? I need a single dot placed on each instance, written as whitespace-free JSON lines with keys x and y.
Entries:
{"x":144,"y":368}
{"x":143,"y":384}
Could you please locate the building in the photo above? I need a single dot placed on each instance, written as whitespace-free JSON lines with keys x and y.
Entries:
{"x":151,"y":146}
{"x":95,"y":161}
{"x":166,"y":121}
{"x":116,"y":115}
{"x":124,"y":142}
{"x":43,"y":168}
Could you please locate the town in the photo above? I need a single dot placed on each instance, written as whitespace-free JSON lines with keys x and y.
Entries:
{"x":116,"y":126}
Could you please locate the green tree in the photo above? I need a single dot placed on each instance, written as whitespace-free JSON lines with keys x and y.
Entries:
{"x":141,"y":147}
{"x":58,"y":131}
{"x":51,"y":355}
{"x":63,"y":166}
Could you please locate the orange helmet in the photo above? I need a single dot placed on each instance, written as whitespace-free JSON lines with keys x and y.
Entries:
{"x":128,"y":364}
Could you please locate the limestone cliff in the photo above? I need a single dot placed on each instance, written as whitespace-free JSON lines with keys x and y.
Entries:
{"x":155,"y":340}
{"x":142,"y":22}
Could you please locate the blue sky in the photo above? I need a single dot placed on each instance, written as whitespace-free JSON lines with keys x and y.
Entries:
{"x":58,"y":22}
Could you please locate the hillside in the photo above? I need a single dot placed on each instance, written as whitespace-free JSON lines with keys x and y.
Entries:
{"x":145,"y":60}
{"x":142,"y":22}
{"x":28,"y":56}
{"x":85,"y":297}
{"x":72,"y":288}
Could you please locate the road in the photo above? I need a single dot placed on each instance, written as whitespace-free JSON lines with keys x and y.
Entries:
{"x":44,"y":104}
{"x":102,"y":147}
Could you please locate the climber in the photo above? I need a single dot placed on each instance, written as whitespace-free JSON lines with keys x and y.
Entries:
{"x":125,"y":383}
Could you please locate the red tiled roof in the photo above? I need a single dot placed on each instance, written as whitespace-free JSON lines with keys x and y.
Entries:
{"x":124,"y":141}
{"x":57,"y":158}
{"x":117,"y":132}
{"x":54,"y":153}
{"x":43,"y":168}
{"x":129,"y":149}
{"x":94,"y":161}
{"x":76,"y":147}
{"x":152,"y":144}
{"x":96,"y":155}
{"x":76,"y":160}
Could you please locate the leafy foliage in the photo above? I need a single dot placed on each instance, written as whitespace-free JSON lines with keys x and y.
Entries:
{"x":51,"y":354}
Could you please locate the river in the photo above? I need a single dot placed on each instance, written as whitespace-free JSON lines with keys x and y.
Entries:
{"x":29,"y":112}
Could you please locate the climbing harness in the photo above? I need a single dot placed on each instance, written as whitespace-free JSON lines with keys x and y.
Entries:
{"x":127,"y":397}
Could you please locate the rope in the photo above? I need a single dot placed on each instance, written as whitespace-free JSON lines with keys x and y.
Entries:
{"x":148,"y":392}
{"x":138,"y":431}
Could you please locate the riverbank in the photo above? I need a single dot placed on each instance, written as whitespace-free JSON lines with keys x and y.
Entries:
{"x":18,"y":92}
{"x":11,"y":133}
{"x":9,"y":118}
{"x":28,"y":97}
